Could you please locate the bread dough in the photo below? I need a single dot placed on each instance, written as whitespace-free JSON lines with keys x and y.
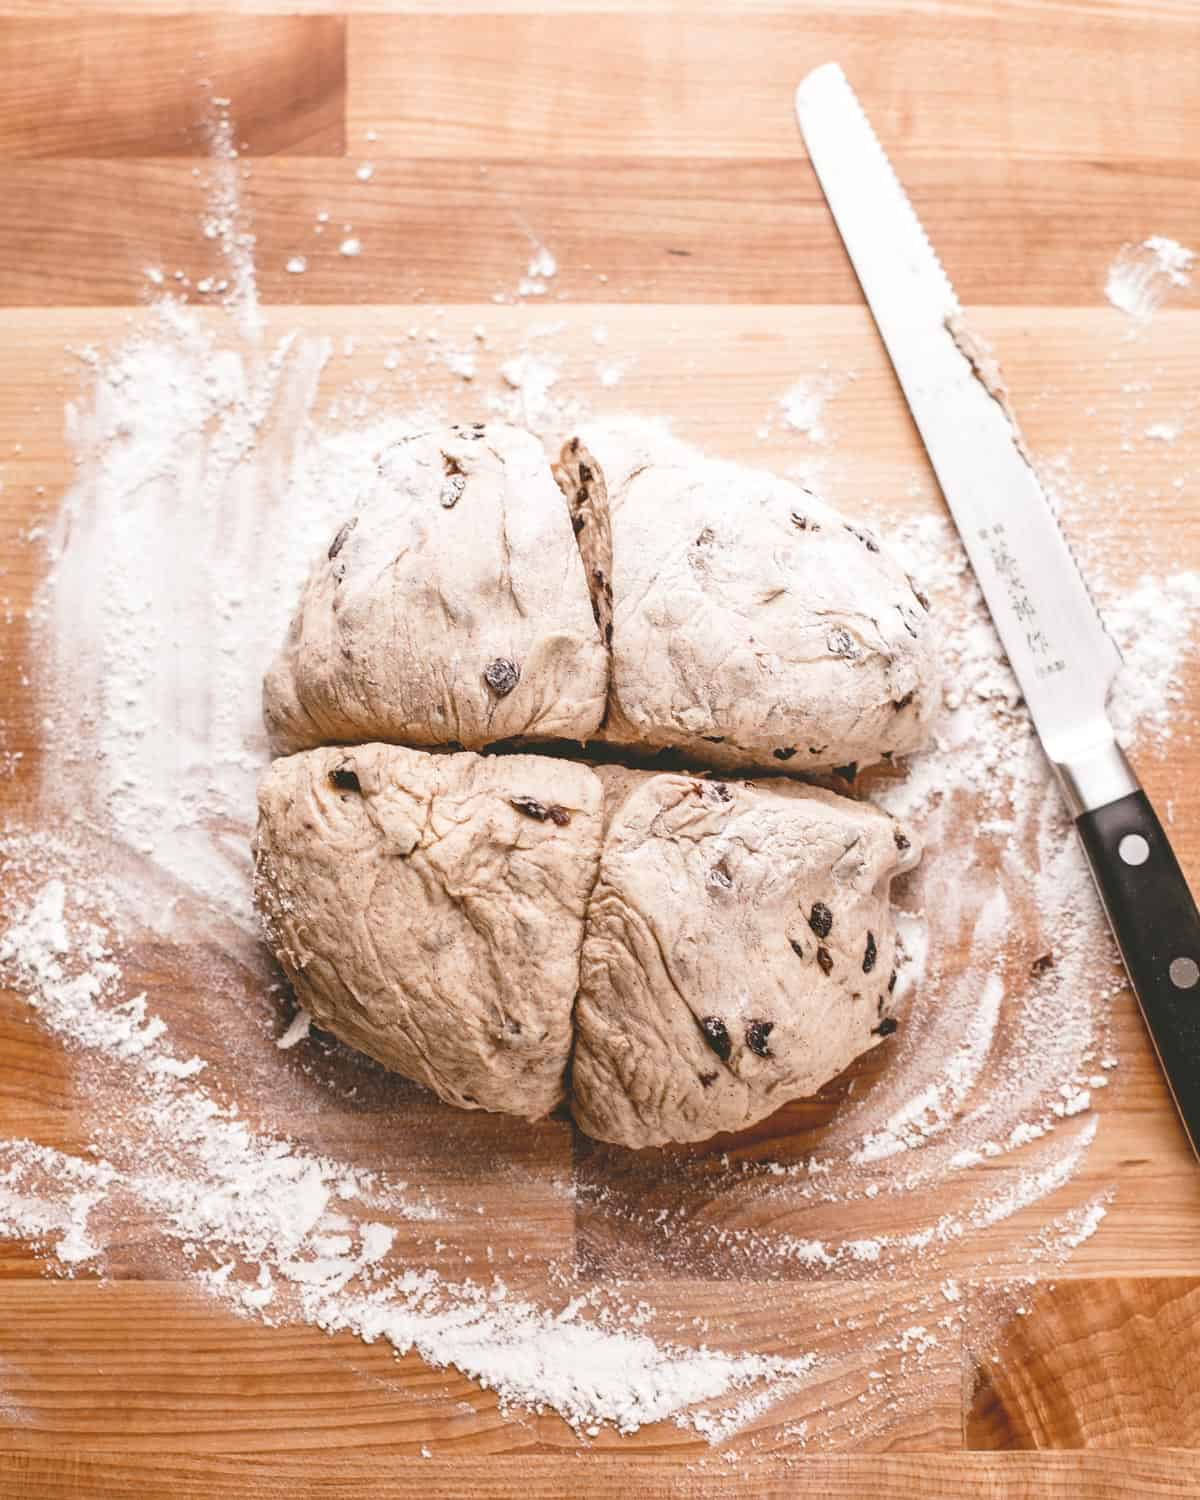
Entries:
{"x":739,"y":952}
{"x":731,"y":947}
{"x":450,"y":609}
{"x":428,"y":909}
{"x":727,"y":946}
{"x":752,"y":625}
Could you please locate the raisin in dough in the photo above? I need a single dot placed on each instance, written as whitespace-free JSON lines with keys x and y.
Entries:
{"x":428,"y":909}
{"x":450,"y":609}
{"x":738,"y":952}
{"x":750,"y":623}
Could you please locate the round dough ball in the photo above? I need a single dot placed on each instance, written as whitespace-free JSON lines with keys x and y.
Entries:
{"x":428,"y":909}
{"x":751,"y":624}
{"x":738,"y":952}
{"x":451,"y":608}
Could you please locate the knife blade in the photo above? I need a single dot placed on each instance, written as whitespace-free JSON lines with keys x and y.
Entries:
{"x":1052,"y":633}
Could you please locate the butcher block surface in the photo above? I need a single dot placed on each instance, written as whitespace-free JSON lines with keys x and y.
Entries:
{"x":652,"y":143}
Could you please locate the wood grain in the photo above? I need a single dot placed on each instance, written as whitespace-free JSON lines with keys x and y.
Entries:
{"x":887,"y":14}
{"x":1036,"y":137}
{"x":158,"y":1362}
{"x":181,"y":1474}
{"x":68,"y":93}
{"x":1096,"y":86}
{"x":702,"y":231}
{"x":1095,"y":1364}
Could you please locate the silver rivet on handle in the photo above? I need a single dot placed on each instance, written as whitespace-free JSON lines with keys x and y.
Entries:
{"x":1134,"y":849}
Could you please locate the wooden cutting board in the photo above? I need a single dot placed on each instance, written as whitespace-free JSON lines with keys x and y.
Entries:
{"x":652,"y":146}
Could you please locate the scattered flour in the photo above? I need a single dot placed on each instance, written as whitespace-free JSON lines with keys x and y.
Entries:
{"x":542,"y":269}
{"x":207,"y":475}
{"x":1142,"y":276}
{"x":802,"y":407}
{"x":276,"y":1220}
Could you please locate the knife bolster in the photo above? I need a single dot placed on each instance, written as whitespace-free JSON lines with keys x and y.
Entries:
{"x":1095,"y":776}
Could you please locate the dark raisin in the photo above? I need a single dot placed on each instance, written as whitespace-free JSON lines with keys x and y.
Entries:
{"x":797,"y":947}
{"x":531,"y":807}
{"x":868,"y":542}
{"x":707,"y":1080}
{"x":820,"y":919}
{"x":1042,"y":963}
{"x":721,"y":792}
{"x":847,"y":773}
{"x":502,"y":676}
{"x":784,"y":754}
{"x":345,"y":778}
{"x":585,"y":472}
{"x":887,"y":755}
{"x":885,"y":1027}
{"x":559,"y":815}
{"x":892,"y":982}
{"x":903,"y":842}
{"x":717,"y":1037}
{"x":757,"y":1033}
{"x":817,"y":749}
{"x":339,"y":541}
{"x":607,"y":633}
{"x":841,"y":643}
{"x":870,"y":955}
{"x":714,"y":739}
{"x":454,"y":483}
{"x":576,"y":524}
{"x":825,"y":959}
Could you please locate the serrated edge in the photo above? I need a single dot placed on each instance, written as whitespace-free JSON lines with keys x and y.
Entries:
{"x":827,"y":87}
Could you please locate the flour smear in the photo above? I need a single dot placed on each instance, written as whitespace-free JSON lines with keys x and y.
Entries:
{"x":1143,"y":276}
{"x":214,"y":455}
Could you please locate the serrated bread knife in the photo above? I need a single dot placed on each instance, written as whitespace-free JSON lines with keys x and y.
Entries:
{"x":1054,"y":638}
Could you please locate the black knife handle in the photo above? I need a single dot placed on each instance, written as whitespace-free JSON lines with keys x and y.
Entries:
{"x":1157,"y":927}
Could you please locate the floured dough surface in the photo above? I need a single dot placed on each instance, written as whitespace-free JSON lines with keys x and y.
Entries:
{"x":752,"y":624}
{"x":739,"y":952}
{"x":428,"y":909}
{"x":710,"y":949}
{"x":451,"y":608}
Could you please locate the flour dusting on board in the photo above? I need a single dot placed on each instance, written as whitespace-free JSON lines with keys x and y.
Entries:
{"x":1143,"y":276}
{"x":214,"y":455}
